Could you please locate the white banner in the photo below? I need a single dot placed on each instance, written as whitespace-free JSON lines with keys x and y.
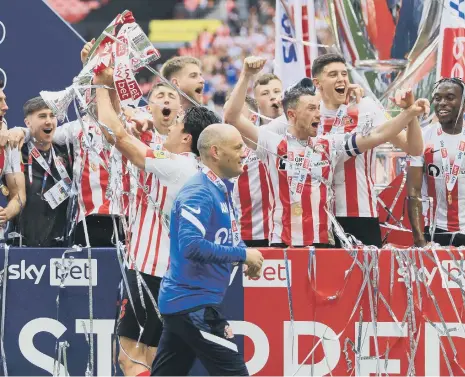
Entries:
{"x":289,"y":64}
{"x":451,"y":49}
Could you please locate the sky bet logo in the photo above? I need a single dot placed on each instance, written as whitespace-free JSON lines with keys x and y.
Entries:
{"x":78,"y":272}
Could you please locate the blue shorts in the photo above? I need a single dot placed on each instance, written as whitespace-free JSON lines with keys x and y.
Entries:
{"x":204,"y":334}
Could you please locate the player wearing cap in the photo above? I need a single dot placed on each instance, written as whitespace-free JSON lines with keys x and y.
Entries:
{"x":439,"y":172}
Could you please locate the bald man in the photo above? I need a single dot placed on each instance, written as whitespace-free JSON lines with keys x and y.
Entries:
{"x":205,"y":247}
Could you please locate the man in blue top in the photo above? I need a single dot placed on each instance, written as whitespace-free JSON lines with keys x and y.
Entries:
{"x":205,"y":243}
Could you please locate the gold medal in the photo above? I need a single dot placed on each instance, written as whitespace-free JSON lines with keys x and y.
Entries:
{"x":296,"y":209}
{"x":5,"y":190}
{"x":93,"y":166}
{"x":449,"y":198}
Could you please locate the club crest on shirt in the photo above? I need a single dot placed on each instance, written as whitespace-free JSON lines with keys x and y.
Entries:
{"x":347,"y":121}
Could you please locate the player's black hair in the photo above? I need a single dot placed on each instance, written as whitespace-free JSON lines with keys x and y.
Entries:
{"x":322,"y":61}
{"x":292,"y":96}
{"x":196,"y":119}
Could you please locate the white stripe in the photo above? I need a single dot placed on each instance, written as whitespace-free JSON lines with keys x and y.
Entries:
{"x":221,"y":341}
{"x":190,"y":217}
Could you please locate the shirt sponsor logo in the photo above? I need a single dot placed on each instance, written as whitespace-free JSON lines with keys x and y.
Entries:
{"x":224,"y":207}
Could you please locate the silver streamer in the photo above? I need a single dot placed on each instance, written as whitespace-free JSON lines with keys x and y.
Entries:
{"x":4,"y":284}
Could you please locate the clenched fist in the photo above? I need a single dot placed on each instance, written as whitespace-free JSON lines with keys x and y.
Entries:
{"x":253,"y":65}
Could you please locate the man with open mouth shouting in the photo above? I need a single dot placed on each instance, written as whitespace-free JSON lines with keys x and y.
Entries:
{"x":301,"y":164}
{"x":48,"y":179}
{"x":355,"y":196}
{"x":439,"y":171}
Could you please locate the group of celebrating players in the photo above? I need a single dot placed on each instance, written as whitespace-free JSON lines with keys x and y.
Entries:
{"x":197,"y":195}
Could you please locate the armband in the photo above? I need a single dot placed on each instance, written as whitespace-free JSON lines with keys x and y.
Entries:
{"x":351,"y":146}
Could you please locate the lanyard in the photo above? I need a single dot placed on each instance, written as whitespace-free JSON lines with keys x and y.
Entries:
{"x":298,"y":170}
{"x":34,"y":153}
{"x":220,"y":184}
{"x":451,"y":176}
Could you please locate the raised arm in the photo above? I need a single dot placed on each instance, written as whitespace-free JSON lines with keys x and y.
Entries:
{"x":388,"y":130}
{"x":132,"y":148}
{"x":233,"y":108}
{"x":410,"y":141}
{"x":414,"y":183}
{"x":194,"y":217}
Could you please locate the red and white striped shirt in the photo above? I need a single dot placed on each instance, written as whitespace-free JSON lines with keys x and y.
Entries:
{"x":149,"y":239}
{"x":93,"y":168}
{"x":311,"y":225}
{"x":354,"y":179}
{"x":251,"y":198}
{"x":449,"y":217}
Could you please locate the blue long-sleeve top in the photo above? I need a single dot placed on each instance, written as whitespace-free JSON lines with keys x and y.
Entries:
{"x":201,"y":249}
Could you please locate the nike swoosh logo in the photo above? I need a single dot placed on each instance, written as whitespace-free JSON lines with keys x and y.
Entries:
{"x":193,"y":210}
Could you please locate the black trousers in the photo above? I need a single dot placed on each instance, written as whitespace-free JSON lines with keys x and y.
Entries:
{"x":100,"y":231}
{"x":365,"y":229}
{"x":202,"y":334}
{"x":442,"y":239}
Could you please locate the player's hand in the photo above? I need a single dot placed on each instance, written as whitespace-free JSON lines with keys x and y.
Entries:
{"x":254,"y":259}
{"x":253,"y":65}
{"x":137,"y":126}
{"x":403,"y":98}
{"x":355,"y":90}
{"x":85,"y":50}
{"x":104,"y":78}
{"x":16,"y":137}
{"x":251,"y":272}
{"x":3,"y":216}
{"x":421,"y":106}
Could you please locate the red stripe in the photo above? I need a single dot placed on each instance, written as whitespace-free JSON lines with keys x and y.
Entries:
{"x":246,"y":204}
{"x":139,"y":225}
{"x":160,"y":231}
{"x":325,"y":172}
{"x":307,"y":213}
{"x":350,"y":170}
{"x":264,"y":186}
{"x":284,"y":197}
{"x":272,"y":202}
{"x":323,"y":228}
{"x":306,"y":37}
{"x":103,"y":181}
{"x":152,"y":226}
{"x":367,"y":176}
{"x":85,"y":184}
{"x":350,"y":176}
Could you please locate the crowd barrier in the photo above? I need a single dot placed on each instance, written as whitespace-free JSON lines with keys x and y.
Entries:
{"x":312,"y":312}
